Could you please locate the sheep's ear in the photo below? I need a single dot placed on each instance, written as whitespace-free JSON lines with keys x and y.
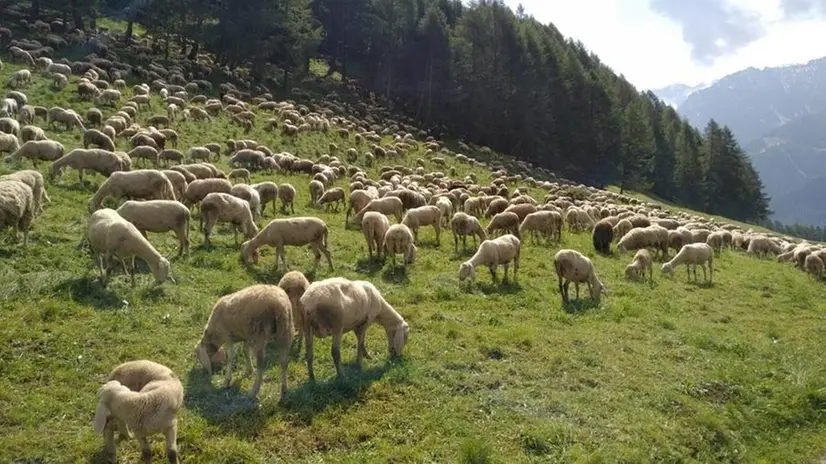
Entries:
{"x":172,"y":279}
{"x":203,"y":357}
{"x":99,"y":422}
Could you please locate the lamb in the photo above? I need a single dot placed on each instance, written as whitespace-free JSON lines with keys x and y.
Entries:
{"x":464,"y":224}
{"x":286,"y":193}
{"x":198,"y":189}
{"x":110,"y":235}
{"x":399,"y":239}
{"x":159,"y":216}
{"x":573,"y":266}
{"x":38,"y":150}
{"x":374,"y":225}
{"x":423,"y":216}
{"x":335,"y":306}
{"x":245,"y":192}
{"x":143,"y":398}
{"x":602,"y":236}
{"x":492,"y":253}
{"x":9,"y":143}
{"x":143,"y":183}
{"x":294,"y":283}
{"x":267,"y":192}
{"x":507,"y":221}
{"x":17,"y":207}
{"x":98,"y":138}
{"x":642,"y":262}
{"x":239,"y":173}
{"x":34,"y":180}
{"x":226,"y":207}
{"x":94,"y":159}
{"x":547,"y":223}
{"x":253,"y":315}
{"x":385,"y":205}
{"x":692,"y":254}
{"x":333,"y":196}
{"x":291,"y":231}
{"x":645,"y":237}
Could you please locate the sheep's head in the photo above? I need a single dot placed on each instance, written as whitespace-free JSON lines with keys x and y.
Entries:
{"x":105,"y":394}
{"x":410,"y":257}
{"x":467,"y":270}
{"x":630,"y":272}
{"x":248,"y":254}
{"x":205,"y":351}
{"x":162,"y":272}
{"x":667,"y":268}
{"x":397,"y":338}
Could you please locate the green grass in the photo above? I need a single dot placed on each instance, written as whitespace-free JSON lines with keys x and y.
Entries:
{"x":668,"y":371}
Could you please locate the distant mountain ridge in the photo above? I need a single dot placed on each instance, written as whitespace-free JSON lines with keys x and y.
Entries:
{"x":779,"y":117}
{"x":676,"y":94}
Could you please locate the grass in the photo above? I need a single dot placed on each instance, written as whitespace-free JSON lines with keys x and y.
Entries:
{"x":668,"y":371}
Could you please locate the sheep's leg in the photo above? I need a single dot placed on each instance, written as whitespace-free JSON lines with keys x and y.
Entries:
{"x":228,"y":370}
{"x":492,"y":272}
{"x":235,"y":233}
{"x":505,"y":278}
{"x":336,"y":352}
{"x":438,"y":232}
{"x":281,"y":256}
{"x":146,"y":450}
{"x":576,"y":285}
{"x":171,"y":443}
{"x":455,"y":243}
{"x":563,"y":291}
{"x":109,"y":445}
{"x":705,"y":277}
{"x":248,"y":354}
{"x":308,"y":340}
{"x":361,"y":349}
{"x":259,"y":376}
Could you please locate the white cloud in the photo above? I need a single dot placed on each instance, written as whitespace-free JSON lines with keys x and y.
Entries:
{"x":650,"y":51}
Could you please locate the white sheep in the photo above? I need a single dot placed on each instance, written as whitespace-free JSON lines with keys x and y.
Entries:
{"x":429,"y":215}
{"x":16,"y":207}
{"x":267,"y":192}
{"x":547,"y":224}
{"x":143,"y":398}
{"x":286,"y":193}
{"x":224,"y":207}
{"x":239,"y":173}
{"x":692,"y":254}
{"x":462,"y":225}
{"x":34,"y":180}
{"x":294,"y":283}
{"x":290,"y":231}
{"x":333,"y":196}
{"x":384,"y":205}
{"x":573,"y":266}
{"x":653,"y":236}
{"x":111,"y":235}
{"x":446,"y":207}
{"x":246,"y":192}
{"x":159,"y":216}
{"x":641,"y":263}
{"x":254,"y":315}
{"x":335,"y":306}
{"x":93,"y":159}
{"x":398,"y":239}
{"x":374,"y":226}
{"x":493,"y":253}
{"x":143,"y":183}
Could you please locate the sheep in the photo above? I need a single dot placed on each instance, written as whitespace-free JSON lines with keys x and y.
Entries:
{"x":267,"y":192}
{"x":34,"y":180}
{"x":9,"y":126}
{"x":9,"y":143}
{"x":109,"y":235}
{"x":200,"y":188}
{"x":32,"y":133}
{"x":573,"y":266}
{"x":814,"y":265}
{"x":98,"y":138}
{"x":642,"y":262}
{"x":645,"y":237}
{"x":239,"y":173}
{"x":333,"y":196}
{"x":399,"y":239}
{"x":94,"y":159}
{"x":159,"y":216}
{"x":143,"y":183}
{"x":335,"y":306}
{"x":245,"y":192}
{"x":316,"y":190}
{"x":143,"y":398}
{"x":493,"y":253}
{"x":38,"y":150}
{"x":17,"y":207}
{"x":374,"y":226}
{"x":423,"y":216}
{"x":253,"y":315}
{"x":462,"y":225}
{"x":762,"y":246}
{"x":692,"y":254}
{"x":547,"y":223}
{"x":68,"y":117}
{"x":169,"y":154}
{"x":385,"y":205}
{"x":226,"y":207}
{"x":294,"y":283}
{"x":446,"y":207}
{"x":715,"y":241}
{"x":507,"y":221}
{"x":602,"y":236}
{"x":286,"y":193}
{"x":291,"y":231}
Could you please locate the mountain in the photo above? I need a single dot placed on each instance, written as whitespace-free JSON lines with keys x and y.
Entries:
{"x":752,"y":102}
{"x":676,"y":94}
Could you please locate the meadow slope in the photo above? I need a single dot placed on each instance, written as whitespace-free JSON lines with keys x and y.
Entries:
{"x":668,"y":371}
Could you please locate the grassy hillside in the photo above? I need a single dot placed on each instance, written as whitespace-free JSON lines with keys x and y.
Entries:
{"x":667,"y":371}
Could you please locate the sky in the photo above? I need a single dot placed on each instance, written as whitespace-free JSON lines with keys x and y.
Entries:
{"x":656,"y":43}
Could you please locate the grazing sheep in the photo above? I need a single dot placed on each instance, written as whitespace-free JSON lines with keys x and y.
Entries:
{"x":506,"y":221}
{"x":429,"y":215}
{"x":159,"y":216}
{"x":602,"y":236}
{"x":374,"y":226}
{"x":143,"y":398}
{"x":335,"y":306}
{"x":462,"y":225}
{"x":34,"y":180}
{"x":93,"y":159}
{"x":642,"y":262}
{"x":198,"y":189}
{"x":286,"y":193}
{"x":239,"y":173}
{"x":385,"y":205}
{"x":38,"y":150}
{"x":245,"y":192}
{"x":547,"y":223}
{"x":32,"y":133}
{"x":17,"y":207}
{"x":493,"y":253}
{"x":399,"y":240}
{"x":267,"y":192}
{"x":143,"y":183}
{"x":316,"y":190}
{"x":253,"y":315}
{"x":333,"y":196}
{"x":573,"y":266}
{"x":111,"y":235}
{"x":294,"y":283}
{"x":692,"y":254}
{"x":225,"y":207}
{"x":715,"y":241}
{"x":9,"y":144}
{"x":97,"y":138}
{"x":645,"y":237}
{"x":292,"y":231}
{"x":167,"y":155}
{"x":762,"y":246}
{"x":814,"y":265}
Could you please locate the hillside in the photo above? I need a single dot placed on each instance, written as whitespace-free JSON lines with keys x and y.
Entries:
{"x":493,"y":372}
{"x":675,"y":94}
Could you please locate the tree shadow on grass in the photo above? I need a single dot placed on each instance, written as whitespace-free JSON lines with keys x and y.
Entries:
{"x":89,"y":291}
{"x":230,"y":409}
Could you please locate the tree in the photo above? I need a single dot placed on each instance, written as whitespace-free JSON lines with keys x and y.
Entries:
{"x":637,"y":148}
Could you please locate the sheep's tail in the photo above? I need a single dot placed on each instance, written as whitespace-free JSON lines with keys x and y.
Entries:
{"x":282,"y":330}
{"x":324,"y":233}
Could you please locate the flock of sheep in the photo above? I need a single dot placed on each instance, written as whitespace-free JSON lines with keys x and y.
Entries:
{"x":142,"y":397}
